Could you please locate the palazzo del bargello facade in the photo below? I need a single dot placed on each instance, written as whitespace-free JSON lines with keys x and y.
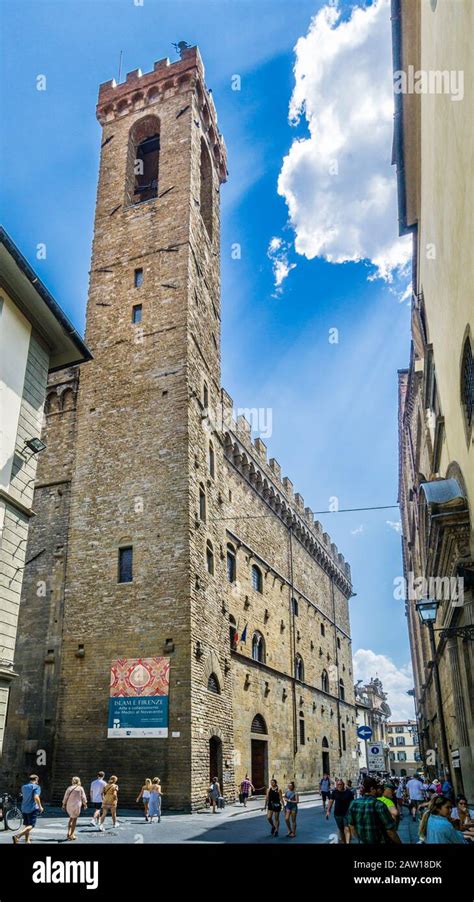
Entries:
{"x":161,"y":527}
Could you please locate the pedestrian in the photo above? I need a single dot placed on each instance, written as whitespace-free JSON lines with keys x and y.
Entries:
{"x":109,"y":802}
{"x":387,"y":796}
{"x":351,"y":788}
{"x":74,"y":799}
{"x":447,"y":790}
{"x":246,"y":787}
{"x":145,"y":796}
{"x":369,"y":819}
{"x":214,"y":793}
{"x":273,"y":805}
{"x":325,"y":788}
{"x":415,"y":794}
{"x":341,"y":797}
{"x":95,"y":795}
{"x":30,"y":807}
{"x":154,"y":804}
{"x":291,"y":808}
{"x":462,"y":815}
{"x":435,"y":826}
{"x":400,"y":798}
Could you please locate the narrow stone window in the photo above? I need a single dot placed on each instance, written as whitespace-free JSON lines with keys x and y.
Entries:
{"x":232,"y":631}
{"x":299,"y":668}
{"x":138,"y":279}
{"x":294,"y":606}
{"x":467,"y":382}
{"x":205,"y":395}
{"x":210,"y":558}
{"x":206,"y":188}
{"x":302,"y":730}
{"x":257,"y":581}
{"x":143,"y":160}
{"x":136,"y":314}
{"x":323,"y":631}
{"x":125,"y":565}
{"x":202,"y":503}
{"x":213,"y":684}
{"x":342,"y":691}
{"x":258,"y":648}
{"x":211,"y":460}
{"x":343,"y":737}
{"x":231,"y":563}
{"x":338,"y":642}
{"x":325,"y":681}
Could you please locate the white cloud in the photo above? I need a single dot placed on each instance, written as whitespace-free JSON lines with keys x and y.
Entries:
{"x":338,"y":183}
{"x":394,"y":524}
{"x":358,"y":530}
{"x":278,"y":253}
{"x":396,"y":681}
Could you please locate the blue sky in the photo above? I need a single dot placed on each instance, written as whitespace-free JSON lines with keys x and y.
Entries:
{"x":334,"y":406}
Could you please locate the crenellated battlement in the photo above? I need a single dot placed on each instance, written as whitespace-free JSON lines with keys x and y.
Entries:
{"x":251,"y":455}
{"x":142,"y":91}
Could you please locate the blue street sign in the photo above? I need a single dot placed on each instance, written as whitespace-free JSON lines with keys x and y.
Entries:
{"x":364,"y":732}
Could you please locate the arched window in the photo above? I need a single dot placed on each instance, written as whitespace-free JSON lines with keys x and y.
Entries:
{"x":125,"y":564}
{"x":211,"y":460}
{"x":258,"y":725}
{"x":322,"y":629}
{"x":467,"y":382}
{"x":302,"y":732}
{"x":202,"y":503}
{"x":342,"y":693}
{"x":232,"y":631}
{"x":210,"y":557}
{"x":294,"y":606}
{"x":257,"y":580}
{"x":325,"y":743}
{"x":299,"y":668}
{"x":325,"y":681}
{"x":206,"y":188}
{"x":343,"y":737}
{"x":258,"y":648}
{"x":231,"y":563}
{"x":213,"y":684}
{"x":143,"y":160}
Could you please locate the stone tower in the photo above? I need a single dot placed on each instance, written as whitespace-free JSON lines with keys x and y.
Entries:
{"x":144,"y":491}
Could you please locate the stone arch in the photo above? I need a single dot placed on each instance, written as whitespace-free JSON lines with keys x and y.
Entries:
{"x":141,"y":182}
{"x":211,"y":665}
{"x":68,"y":399}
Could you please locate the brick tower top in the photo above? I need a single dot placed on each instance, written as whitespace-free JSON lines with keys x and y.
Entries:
{"x":140,"y":91}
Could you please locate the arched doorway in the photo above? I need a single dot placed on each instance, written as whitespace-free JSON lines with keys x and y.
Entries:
{"x":325,"y":745}
{"x":215,"y":759}
{"x":259,"y":754}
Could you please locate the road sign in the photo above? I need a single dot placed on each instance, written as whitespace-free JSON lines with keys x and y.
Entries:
{"x":375,"y":757}
{"x":364,"y":732}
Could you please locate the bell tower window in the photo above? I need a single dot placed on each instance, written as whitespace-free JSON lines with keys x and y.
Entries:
{"x":143,"y":160}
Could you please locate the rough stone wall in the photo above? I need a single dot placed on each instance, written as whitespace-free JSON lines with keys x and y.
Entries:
{"x":259,"y":536}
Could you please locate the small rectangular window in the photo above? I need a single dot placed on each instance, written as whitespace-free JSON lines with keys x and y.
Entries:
{"x":138,"y":278}
{"x":125,"y":574}
{"x":136,"y":314}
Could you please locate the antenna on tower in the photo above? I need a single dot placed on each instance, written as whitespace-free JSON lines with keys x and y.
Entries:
{"x":120,"y":67}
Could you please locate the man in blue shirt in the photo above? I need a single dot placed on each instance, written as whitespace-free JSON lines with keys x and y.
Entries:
{"x":30,"y":806}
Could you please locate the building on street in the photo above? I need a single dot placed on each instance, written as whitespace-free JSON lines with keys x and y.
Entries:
{"x":405,"y":758}
{"x":373,"y":711}
{"x":35,"y":338}
{"x":188,"y":583}
{"x":433,"y":145}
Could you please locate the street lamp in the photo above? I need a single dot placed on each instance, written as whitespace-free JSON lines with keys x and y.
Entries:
{"x":427,"y":610}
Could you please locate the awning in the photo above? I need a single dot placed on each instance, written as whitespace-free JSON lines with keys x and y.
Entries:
{"x":444,"y":493}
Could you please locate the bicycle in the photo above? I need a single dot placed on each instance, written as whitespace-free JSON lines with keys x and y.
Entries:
{"x":10,"y":813}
